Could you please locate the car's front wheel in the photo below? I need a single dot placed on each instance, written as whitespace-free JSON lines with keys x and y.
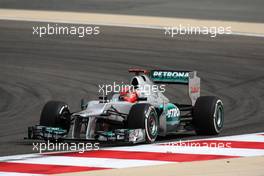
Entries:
{"x":56,"y":114}
{"x":144,"y":116}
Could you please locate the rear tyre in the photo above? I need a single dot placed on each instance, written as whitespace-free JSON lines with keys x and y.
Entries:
{"x":56,"y":114}
{"x":208,"y":115}
{"x":144,"y":116}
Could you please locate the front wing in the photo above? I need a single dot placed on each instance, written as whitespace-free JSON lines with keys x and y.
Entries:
{"x":55,"y":133}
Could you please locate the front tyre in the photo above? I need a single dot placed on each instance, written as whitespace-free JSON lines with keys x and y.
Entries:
{"x":56,"y":114}
{"x":208,"y":115}
{"x":144,"y":116}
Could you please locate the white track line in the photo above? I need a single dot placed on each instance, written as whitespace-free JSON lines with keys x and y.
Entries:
{"x":90,"y":162}
{"x":254,"y":137}
{"x":86,"y":161}
{"x":19,"y":157}
{"x":192,"y":150}
{"x":242,"y":138}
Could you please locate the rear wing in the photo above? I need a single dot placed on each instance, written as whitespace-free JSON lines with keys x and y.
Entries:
{"x":189,"y":78}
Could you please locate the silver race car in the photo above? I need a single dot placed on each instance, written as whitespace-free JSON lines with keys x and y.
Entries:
{"x":137,"y":114}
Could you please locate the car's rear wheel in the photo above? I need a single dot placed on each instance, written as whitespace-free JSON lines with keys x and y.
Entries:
{"x":208,"y":115}
{"x":144,"y":116}
{"x":56,"y":114}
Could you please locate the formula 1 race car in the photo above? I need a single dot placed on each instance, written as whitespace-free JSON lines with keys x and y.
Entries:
{"x":136,"y":114}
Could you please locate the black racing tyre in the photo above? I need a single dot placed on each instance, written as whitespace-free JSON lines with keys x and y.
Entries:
{"x":144,"y":116}
{"x":208,"y":115}
{"x":56,"y":114}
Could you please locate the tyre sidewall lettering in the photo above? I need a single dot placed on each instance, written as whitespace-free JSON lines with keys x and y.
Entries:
{"x":147,"y":115}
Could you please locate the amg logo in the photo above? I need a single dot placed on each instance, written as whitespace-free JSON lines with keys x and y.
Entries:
{"x":169,"y":74}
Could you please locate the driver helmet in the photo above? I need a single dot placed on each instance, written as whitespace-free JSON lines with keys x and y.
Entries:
{"x":129,"y":95}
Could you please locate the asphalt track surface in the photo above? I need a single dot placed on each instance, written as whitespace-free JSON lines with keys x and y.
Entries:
{"x":34,"y":70}
{"x":235,"y":10}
